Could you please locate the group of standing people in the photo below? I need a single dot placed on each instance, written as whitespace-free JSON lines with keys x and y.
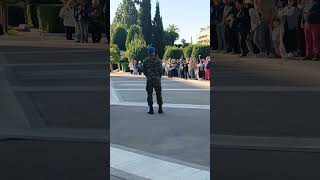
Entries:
{"x":267,"y":28}
{"x":81,"y":16}
{"x":187,"y":68}
{"x":135,"y":67}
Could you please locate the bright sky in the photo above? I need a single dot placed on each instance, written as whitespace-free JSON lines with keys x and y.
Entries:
{"x":188,"y":15}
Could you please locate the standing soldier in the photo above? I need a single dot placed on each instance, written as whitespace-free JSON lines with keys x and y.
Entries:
{"x":152,"y":69}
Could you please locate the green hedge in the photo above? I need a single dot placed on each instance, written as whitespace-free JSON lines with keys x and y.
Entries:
{"x":15,"y":16}
{"x":200,"y":49}
{"x":30,"y":15}
{"x":173,"y":52}
{"x":49,"y":20}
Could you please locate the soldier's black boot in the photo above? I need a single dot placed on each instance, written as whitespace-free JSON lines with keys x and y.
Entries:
{"x":151,"y":110}
{"x":160,"y":111}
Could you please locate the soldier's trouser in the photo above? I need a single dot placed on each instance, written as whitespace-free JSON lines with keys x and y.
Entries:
{"x":156,"y":85}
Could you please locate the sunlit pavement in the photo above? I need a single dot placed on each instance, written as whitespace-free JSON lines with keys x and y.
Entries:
{"x":265,"y":118}
{"x":175,"y":143}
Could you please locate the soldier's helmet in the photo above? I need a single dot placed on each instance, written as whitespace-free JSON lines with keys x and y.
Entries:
{"x":151,"y":50}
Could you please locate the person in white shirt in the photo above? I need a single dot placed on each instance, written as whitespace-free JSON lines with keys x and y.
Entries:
{"x":67,"y":14}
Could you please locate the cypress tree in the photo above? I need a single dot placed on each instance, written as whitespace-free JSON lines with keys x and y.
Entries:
{"x":145,"y":20}
{"x":158,"y":33}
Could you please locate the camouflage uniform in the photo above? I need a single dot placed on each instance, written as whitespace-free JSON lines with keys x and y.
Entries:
{"x":152,"y":69}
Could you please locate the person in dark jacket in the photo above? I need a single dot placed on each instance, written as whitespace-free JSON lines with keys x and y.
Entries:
{"x":219,"y":24}
{"x":311,"y":22}
{"x":243,"y":24}
{"x":231,"y":35}
{"x":95,"y":22}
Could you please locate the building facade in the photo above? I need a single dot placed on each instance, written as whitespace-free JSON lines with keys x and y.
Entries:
{"x":203,"y":37}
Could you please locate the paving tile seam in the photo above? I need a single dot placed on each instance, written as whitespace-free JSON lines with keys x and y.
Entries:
{"x":270,"y":143}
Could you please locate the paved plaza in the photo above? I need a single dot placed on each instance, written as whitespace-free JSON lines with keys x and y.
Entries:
{"x":173,"y":145}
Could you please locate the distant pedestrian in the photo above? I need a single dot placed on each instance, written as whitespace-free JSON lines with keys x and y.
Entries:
{"x":84,"y":11}
{"x":131,"y":67}
{"x":69,"y":22}
{"x":76,"y":11}
{"x":139,"y":67}
{"x":95,"y":24}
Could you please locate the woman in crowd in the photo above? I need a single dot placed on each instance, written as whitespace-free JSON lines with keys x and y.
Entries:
{"x":231,"y":34}
{"x":291,"y":19}
{"x":201,"y":69}
{"x":131,"y":67}
{"x":95,"y":25}
{"x":135,"y":67}
{"x":207,"y":69}
{"x":140,"y":67}
{"x":66,"y":13}
{"x":185,"y":69}
{"x":218,"y":21}
{"x":243,"y":24}
{"x":276,"y":36}
{"x":311,"y":22}
{"x":256,"y":35}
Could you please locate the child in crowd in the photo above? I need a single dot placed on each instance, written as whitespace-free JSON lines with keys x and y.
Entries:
{"x":276,"y":36}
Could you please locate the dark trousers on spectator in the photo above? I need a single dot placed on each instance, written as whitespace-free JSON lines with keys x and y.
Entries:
{"x":243,"y":42}
{"x":201,"y":74}
{"x":69,"y":31}
{"x":96,"y":32}
{"x":290,"y":40}
{"x":84,"y":30}
{"x":312,"y":37}
{"x":231,"y":39}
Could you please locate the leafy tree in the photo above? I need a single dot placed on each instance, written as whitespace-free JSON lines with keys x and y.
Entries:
{"x":171,"y":34}
{"x":145,"y":19}
{"x":126,"y":14}
{"x":158,"y":34}
{"x":173,"y":52}
{"x":119,"y":37}
{"x":137,"y":49}
{"x":134,"y":31}
{"x":184,"y":43}
{"x":200,"y":49}
{"x":187,"y":51}
{"x":114,"y":54}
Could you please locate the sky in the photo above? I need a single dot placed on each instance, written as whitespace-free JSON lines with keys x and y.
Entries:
{"x":188,"y":15}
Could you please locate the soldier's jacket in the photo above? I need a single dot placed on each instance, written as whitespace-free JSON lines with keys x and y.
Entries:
{"x":152,"y":68}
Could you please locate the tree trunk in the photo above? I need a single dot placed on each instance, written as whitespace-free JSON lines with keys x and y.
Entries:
{"x":4,"y":17}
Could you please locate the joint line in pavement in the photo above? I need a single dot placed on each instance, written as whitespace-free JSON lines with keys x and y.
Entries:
{"x":266,"y":143}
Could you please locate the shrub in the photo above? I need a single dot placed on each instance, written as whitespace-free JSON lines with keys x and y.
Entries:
{"x":114,"y":54}
{"x":134,"y":31}
{"x":137,"y":49}
{"x":119,"y":37}
{"x":187,"y":51}
{"x":48,"y":17}
{"x":173,"y":52}
{"x":200,"y":49}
